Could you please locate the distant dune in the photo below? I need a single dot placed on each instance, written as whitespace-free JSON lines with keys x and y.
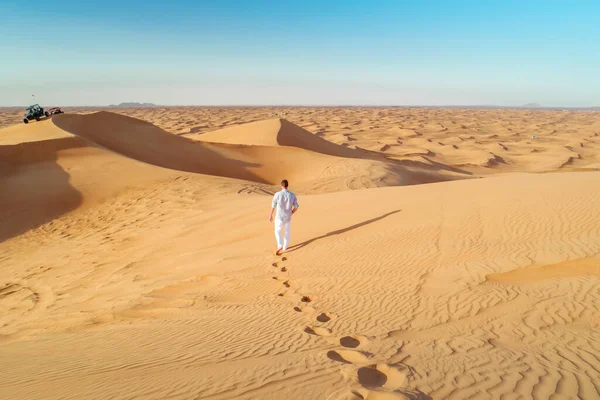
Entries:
{"x":532,"y":105}
{"x":190,"y":117}
{"x":133,"y":105}
{"x":279,"y":132}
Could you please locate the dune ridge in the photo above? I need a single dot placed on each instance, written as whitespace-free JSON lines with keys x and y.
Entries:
{"x":261,"y":152}
{"x":279,"y":132}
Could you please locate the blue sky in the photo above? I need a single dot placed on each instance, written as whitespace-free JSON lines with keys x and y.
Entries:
{"x":301,"y":52}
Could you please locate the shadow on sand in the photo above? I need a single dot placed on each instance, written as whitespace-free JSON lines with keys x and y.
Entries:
{"x":34,"y":188}
{"x":147,"y":143}
{"x":340,"y":231}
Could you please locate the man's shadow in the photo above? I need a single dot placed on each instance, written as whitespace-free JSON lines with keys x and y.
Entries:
{"x":344,"y":230}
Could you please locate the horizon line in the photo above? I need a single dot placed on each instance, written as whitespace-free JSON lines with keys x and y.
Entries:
{"x":153,"y":105}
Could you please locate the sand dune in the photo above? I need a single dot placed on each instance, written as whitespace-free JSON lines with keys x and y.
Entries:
{"x":279,"y":132}
{"x":46,"y":172}
{"x":251,"y":152}
{"x":144,"y":142}
{"x":532,"y":141}
{"x":137,"y":264}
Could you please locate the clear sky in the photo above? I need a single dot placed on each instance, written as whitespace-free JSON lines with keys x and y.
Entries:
{"x":351,"y":52}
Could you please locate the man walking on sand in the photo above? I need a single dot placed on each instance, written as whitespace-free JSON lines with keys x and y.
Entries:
{"x":286,"y":204}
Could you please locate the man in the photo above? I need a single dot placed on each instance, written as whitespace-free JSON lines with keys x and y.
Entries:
{"x":286,"y":204}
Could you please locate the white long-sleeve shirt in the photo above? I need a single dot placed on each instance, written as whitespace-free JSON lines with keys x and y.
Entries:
{"x":284,"y":201}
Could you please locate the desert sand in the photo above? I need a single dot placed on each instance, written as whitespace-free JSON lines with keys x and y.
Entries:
{"x":436,"y":254}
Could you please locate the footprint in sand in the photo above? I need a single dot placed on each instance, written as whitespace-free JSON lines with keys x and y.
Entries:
{"x":307,"y":310}
{"x":19,"y":299}
{"x":382,"y":376}
{"x":286,"y":282}
{"x":350,"y":342}
{"x":349,"y":357}
{"x":317,"y":330}
{"x":324,"y":317}
{"x":385,"y":382}
{"x":381,"y":382}
{"x":371,"y":378}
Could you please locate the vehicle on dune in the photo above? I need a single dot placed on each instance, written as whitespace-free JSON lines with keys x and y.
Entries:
{"x":36,"y":112}
{"x":53,"y":111}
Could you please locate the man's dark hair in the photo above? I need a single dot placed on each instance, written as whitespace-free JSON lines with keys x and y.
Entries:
{"x":284,"y":183}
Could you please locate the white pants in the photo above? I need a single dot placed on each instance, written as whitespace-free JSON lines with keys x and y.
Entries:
{"x":286,"y":234}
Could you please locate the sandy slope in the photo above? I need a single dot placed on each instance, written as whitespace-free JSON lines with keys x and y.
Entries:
{"x":137,"y":264}
{"x":281,"y":132}
{"x":311,"y":162}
